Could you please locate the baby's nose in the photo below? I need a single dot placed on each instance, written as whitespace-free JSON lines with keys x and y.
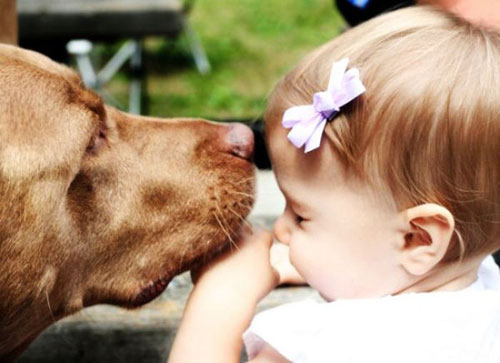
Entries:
{"x":240,"y":140}
{"x":281,"y":232}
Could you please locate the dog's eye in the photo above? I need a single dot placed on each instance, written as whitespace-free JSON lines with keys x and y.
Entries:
{"x":96,"y":142}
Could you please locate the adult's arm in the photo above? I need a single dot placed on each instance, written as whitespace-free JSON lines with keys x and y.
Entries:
{"x":8,"y":22}
{"x":485,"y":12}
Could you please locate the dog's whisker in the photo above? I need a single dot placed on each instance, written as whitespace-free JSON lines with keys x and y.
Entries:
{"x":226,"y":223}
{"x":54,"y":318}
{"x":243,"y":181}
{"x":228,"y":228}
{"x":246,"y":206}
{"x":240,"y":193}
{"x":245,"y":222}
{"x":229,"y":225}
{"x":50,"y":308}
{"x":225,"y":231}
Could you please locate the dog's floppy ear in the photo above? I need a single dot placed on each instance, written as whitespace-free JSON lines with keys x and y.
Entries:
{"x":429,"y":229}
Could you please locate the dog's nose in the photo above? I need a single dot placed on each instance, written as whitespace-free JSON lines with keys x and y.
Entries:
{"x":240,"y":139}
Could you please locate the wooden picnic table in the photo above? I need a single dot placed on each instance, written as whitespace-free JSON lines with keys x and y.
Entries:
{"x":99,"y":19}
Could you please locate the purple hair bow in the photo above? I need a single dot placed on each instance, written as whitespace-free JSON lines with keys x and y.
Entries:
{"x":308,"y":121}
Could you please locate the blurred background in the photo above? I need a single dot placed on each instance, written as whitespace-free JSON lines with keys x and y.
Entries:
{"x":247,"y":45}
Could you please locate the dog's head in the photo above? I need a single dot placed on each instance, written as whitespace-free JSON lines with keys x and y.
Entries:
{"x":99,"y":206}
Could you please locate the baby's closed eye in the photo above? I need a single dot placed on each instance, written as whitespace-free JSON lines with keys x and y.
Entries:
{"x":299,"y":219}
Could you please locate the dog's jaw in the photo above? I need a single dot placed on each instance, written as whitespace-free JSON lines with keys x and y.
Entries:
{"x":150,"y":292}
{"x":25,"y":325}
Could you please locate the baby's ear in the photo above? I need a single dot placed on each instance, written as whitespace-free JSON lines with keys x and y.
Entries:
{"x":427,"y":235}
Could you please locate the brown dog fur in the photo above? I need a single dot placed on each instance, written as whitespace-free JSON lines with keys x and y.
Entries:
{"x":8,"y":22}
{"x":99,"y":206}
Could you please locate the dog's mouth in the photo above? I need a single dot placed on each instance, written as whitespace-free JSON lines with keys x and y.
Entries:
{"x":151,"y":291}
{"x":227,"y":228}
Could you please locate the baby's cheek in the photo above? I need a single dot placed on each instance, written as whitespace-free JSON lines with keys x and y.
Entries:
{"x":302,"y":259}
{"x":295,"y":256}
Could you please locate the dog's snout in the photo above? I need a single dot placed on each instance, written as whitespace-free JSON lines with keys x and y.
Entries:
{"x":240,"y":140}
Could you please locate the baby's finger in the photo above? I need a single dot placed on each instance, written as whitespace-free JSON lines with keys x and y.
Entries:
{"x":264,"y":237}
{"x":276,"y":277}
{"x":280,"y":261}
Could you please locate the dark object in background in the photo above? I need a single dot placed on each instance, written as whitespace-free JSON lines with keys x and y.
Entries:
{"x":358,"y":11}
{"x":496,"y":256}
{"x":261,"y":156}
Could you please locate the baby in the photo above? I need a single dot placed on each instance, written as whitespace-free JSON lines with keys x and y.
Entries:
{"x":386,"y":145}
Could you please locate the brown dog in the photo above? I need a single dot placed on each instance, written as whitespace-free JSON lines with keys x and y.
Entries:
{"x":99,"y":206}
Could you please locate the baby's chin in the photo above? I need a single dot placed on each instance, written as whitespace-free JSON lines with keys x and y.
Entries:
{"x":330,"y":296}
{"x":325,"y":297}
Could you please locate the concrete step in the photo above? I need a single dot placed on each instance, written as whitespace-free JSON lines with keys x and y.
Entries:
{"x":109,"y":334}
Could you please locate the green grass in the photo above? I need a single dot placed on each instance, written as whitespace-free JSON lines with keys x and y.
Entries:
{"x":250,"y":44}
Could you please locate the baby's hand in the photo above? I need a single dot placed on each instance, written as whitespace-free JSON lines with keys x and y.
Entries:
{"x":245,"y":271}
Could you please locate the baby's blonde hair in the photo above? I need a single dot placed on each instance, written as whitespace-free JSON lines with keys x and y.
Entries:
{"x":428,"y":127}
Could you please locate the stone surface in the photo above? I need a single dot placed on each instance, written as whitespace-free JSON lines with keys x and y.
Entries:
{"x":109,"y":334}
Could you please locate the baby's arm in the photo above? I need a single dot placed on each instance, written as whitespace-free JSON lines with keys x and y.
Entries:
{"x":223,"y":302}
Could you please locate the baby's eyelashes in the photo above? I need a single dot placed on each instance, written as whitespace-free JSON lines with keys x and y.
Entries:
{"x":294,"y":213}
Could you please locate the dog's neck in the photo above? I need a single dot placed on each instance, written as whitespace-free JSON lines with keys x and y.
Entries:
{"x":22,"y":322}
{"x":18,"y":333}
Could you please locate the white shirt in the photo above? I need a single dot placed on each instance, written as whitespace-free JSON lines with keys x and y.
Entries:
{"x":436,"y":327}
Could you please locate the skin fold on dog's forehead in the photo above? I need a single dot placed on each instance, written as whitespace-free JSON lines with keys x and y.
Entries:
{"x":47,"y":109}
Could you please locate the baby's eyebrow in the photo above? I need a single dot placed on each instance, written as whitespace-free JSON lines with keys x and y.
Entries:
{"x":290,"y":196}
{"x":294,"y":203}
